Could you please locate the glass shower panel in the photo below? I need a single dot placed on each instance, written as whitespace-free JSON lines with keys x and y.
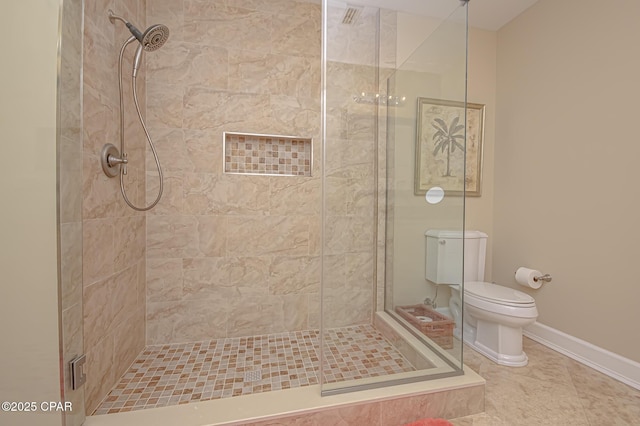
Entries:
{"x":426,"y":177}
{"x":377,"y":63}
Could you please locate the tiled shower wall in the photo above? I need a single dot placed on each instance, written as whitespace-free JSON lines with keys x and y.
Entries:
{"x":232,"y":255}
{"x":113,"y":234}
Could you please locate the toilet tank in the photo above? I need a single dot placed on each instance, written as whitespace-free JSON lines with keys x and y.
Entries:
{"x":444,"y":250}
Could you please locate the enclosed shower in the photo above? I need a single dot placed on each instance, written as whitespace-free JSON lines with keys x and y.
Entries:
{"x":280,"y":243}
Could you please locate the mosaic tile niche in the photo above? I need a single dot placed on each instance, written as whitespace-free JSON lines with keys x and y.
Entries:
{"x":267,"y":155}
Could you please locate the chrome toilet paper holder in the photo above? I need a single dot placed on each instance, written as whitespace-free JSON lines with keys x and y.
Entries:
{"x":546,"y":278}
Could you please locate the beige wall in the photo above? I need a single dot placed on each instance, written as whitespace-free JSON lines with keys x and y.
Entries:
{"x":566,"y":198}
{"x":232,"y":255}
{"x":29,"y":365}
{"x":113,"y":234}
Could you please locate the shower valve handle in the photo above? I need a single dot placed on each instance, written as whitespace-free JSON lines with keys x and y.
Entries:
{"x":114,"y":161}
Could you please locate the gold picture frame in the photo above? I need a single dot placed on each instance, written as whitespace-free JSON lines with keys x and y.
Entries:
{"x":440,"y":147}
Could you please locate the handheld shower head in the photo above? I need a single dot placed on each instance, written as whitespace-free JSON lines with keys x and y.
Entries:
{"x":155,"y":37}
{"x":152,"y":39}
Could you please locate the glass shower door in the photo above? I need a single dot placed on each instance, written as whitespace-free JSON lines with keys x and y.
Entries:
{"x":378,"y":67}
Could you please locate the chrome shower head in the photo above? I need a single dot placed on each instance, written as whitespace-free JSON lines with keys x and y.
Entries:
{"x":154,"y":37}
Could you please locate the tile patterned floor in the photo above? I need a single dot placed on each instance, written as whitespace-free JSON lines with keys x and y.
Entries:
{"x":551,"y":390}
{"x":182,"y":373}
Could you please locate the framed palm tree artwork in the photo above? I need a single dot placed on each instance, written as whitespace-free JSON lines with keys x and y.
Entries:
{"x":441,"y":147}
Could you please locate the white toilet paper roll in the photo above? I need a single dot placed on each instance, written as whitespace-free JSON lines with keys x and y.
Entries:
{"x":525,"y":277}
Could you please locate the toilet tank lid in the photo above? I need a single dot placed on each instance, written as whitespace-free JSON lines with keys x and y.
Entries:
{"x":449,"y":233}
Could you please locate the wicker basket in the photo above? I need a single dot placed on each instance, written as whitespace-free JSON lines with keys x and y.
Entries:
{"x":440,"y":329}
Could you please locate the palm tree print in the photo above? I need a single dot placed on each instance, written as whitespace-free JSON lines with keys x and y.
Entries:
{"x":446,"y":138}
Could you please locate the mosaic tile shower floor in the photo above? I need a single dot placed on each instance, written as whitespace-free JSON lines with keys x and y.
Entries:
{"x":182,"y":373}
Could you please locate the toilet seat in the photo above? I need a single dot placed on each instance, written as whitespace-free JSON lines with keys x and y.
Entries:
{"x":497,"y":294}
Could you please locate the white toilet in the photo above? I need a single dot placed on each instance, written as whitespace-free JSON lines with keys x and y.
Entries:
{"x":493,"y":315}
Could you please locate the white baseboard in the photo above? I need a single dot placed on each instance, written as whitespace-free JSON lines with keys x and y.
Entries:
{"x":613,"y":365}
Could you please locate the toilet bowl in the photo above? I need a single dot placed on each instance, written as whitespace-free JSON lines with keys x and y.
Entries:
{"x":492,"y":316}
{"x":495,"y":316}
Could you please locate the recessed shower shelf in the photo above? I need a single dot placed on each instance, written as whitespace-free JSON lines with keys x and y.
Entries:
{"x":256,"y":154}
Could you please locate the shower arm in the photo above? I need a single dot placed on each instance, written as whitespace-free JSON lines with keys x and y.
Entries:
{"x":113,"y":17}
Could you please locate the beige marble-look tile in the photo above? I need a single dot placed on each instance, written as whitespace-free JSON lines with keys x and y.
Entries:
{"x":129,"y":341}
{"x":100,"y":194}
{"x":360,"y":197}
{"x":296,"y":35}
{"x":348,"y":234}
{"x":361,"y":414}
{"x":216,"y":23}
{"x":185,"y":321}
{"x":551,"y":405}
{"x":70,"y":179}
{"x":204,"y":194}
{"x":295,"y":196}
{"x":315,"y":235}
{"x":294,"y":275}
{"x":482,"y":419}
{"x":605,"y":401}
{"x":212,"y":235}
{"x":296,"y":116}
{"x":204,"y":151}
{"x":172,"y":236}
{"x":196,"y":65}
{"x":128,"y":241}
{"x":107,"y":303}
{"x":284,"y":7}
{"x":362,"y":39}
{"x":164,"y":280}
{"x":258,"y":121}
{"x":314,"y":304}
{"x":336,"y":196}
{"x":71,"y":240}
{"x":444,"y":404}
{"x":171,"y":150}
{"x":262,"y":72}
{"x":359,"y":270}
{"x":98,"y":253}
{"x":276,"y":235}
{"x":334,"y":272}
{"x":267,"y":314}
{"x":141,"y":286}
{"x":165,"y":105}
{"x":350,"y":159}
{"x":172,"y":198}
{"x":72,"y":331}
{"x":204,"y":108}
{"x":346,"y":306}
{"x":225,"y":277}
{"x":246,"y":195}
{"x":169,"y":13}
{"x":100,"y":372}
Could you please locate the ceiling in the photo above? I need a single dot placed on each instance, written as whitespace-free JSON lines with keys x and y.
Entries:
{"x":484,"y":14}
{"x":493,"y":14}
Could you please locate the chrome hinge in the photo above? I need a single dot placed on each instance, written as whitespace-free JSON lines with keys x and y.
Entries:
{"x":76,"y":365}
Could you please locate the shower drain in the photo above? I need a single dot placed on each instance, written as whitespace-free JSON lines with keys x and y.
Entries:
{"x":253,"y":376}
